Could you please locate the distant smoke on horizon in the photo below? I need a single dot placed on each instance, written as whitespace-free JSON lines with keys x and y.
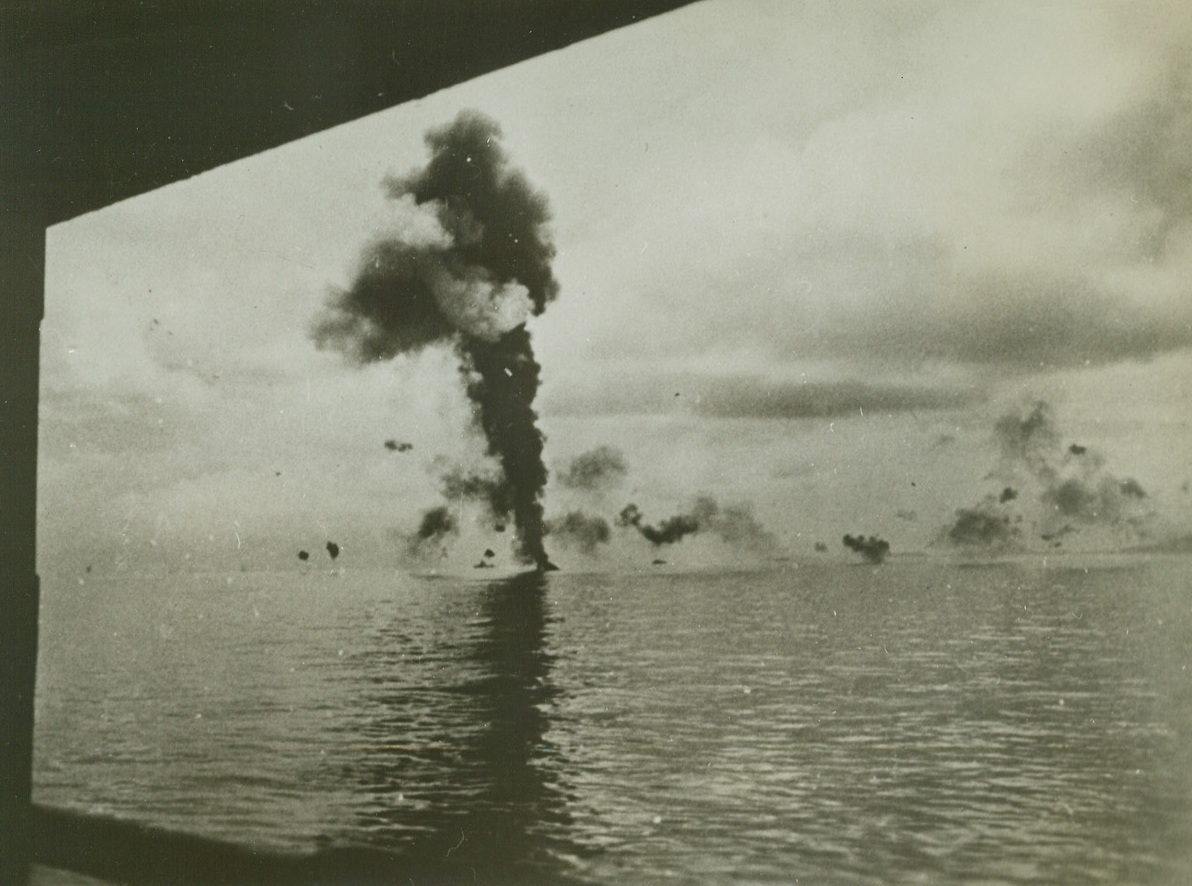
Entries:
{"x":1057,"y":490}
{"x":872,"y":548}
{"x":581,"y":531}
{"x":734,"y":524}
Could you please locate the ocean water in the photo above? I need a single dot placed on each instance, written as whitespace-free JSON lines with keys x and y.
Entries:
{"x":922,"y":721}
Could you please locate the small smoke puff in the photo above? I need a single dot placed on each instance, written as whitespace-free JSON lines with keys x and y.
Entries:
{"x":1008,"y":494}
{"x":595,"y":469}
{"x":1028,"y":439}
{"x":981,"y":527}
{"x":1132,"y":488}
{"x":630,"y":515}
{"x":671,"y":530}
{"x":873,"y":549}
{"x":436,"y":523}
{"x":737,"y":525}
{"x":579,"y":530}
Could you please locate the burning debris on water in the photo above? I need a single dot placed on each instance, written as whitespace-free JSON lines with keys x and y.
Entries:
{"x":469,"y":270}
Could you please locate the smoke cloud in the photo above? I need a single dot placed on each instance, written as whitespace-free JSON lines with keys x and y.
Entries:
{"x":873,"y":549}
{"x":1058,"y":490}
{"x":580,"y":531}
{"x":470,"y":265}
{"x":595,"y":470}
{"x":736,"y":524}
{"x":436,"y":525}
{"x":984,"y":525}
{"x":486,"y":488}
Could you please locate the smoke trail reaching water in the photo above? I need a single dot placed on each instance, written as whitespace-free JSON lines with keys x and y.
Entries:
{"x":472,"y":266}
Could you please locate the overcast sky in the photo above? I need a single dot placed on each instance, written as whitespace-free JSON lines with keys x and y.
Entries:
{"x":808,"y":253}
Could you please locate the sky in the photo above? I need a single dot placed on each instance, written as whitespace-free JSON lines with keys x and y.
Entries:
{"x":808,"y":254}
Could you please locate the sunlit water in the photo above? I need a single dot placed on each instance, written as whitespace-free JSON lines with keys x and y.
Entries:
{"x":917,"y":722}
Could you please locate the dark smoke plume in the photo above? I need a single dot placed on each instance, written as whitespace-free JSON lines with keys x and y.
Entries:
{"x":667,"y":532}
{"x":982,"y":526}
{"x":597,"y":469}
{"x":736,"y":524}
{"x":581,"y":531}
{"x":873,"y":549}
{"x":436,"y":525}
{"x":473,"y":265}
{"x":332,"y":549}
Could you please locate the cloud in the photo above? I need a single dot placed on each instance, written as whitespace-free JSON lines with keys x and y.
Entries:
{"x":1059,"y":489}
{"x":1013,"y":202}
{"x":746,"y":395}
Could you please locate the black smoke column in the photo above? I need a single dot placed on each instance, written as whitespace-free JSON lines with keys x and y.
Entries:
{"x":470,"y":269}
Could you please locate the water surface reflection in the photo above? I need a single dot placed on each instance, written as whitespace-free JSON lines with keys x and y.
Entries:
{"x":452,"y":766}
